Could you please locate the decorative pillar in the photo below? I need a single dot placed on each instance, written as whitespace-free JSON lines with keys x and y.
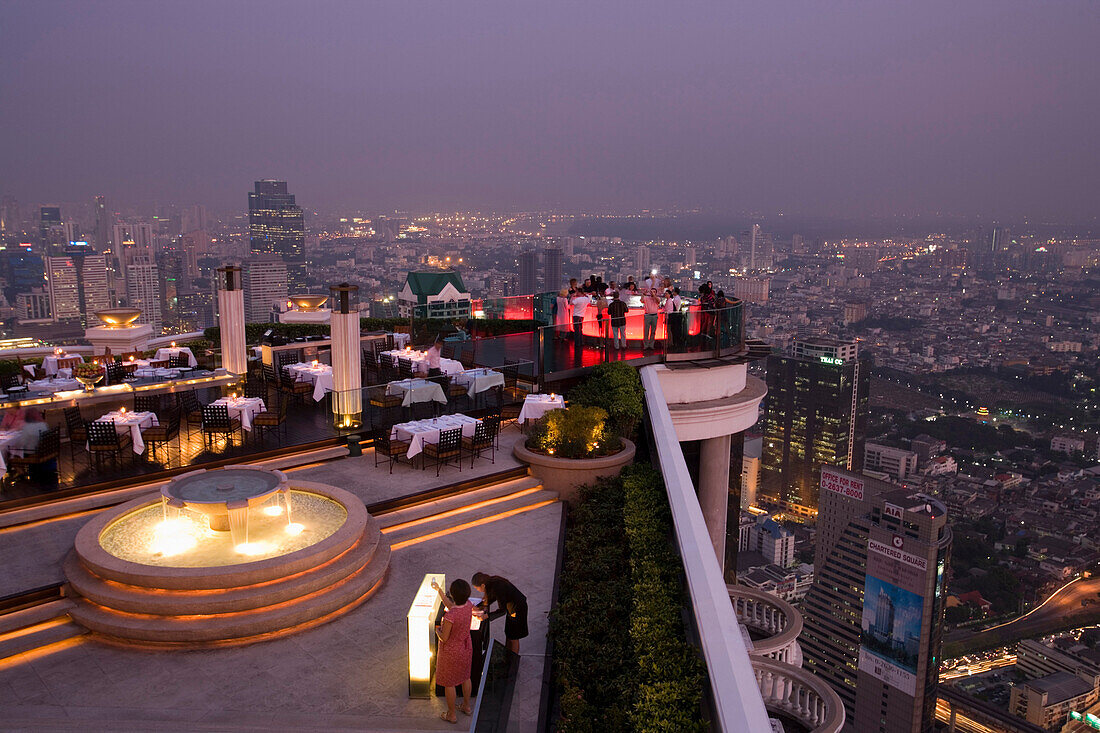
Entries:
{"x":231,"y":320}
{"x":714,"y":491}
{"x":347,"y":374}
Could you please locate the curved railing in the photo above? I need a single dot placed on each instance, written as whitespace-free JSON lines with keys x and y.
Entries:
{"x":794,"y":692}
{"x":767,"y":615}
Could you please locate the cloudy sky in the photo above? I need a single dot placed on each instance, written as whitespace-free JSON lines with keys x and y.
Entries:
{"x":986,"y":107}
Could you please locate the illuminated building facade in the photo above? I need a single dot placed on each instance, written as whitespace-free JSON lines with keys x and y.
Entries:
{"x":143,"y":290}
{"x":276,"y":226}
{"x":816,"y":415}
{"x":874,"y":615}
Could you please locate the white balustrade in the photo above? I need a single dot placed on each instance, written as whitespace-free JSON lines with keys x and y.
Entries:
{"x":790,"y":691}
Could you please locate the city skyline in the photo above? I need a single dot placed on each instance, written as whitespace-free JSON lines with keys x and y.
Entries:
{"x":867,"y":111}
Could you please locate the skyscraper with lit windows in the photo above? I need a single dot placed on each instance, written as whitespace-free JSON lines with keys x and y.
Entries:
{"x":815,"y":415}
{"x":276,"y":226}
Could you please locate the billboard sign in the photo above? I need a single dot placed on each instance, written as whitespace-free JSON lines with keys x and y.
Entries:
{"x":849,"y":486}
{"x":893,"y":612}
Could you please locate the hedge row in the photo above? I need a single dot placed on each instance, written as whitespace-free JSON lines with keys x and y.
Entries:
{"x":623,"y":661}
{"x":615,"y":388}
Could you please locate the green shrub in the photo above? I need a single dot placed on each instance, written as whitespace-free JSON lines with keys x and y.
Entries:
{"x":648,"y":678}
{"x":575,"y":432}
{"x":615,"y":387}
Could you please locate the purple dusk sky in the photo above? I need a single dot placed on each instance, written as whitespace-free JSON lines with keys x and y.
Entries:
{"x":983,"y":107}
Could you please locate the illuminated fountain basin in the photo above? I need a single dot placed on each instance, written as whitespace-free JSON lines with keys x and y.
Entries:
{"x":154,"y":571}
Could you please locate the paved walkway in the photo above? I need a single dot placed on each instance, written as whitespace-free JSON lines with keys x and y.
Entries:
{"x":350,"y":674}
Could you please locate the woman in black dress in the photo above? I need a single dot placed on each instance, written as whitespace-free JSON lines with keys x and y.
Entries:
{"x":509,"y":600}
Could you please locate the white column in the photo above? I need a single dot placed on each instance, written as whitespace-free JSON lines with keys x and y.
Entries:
{"x":714,"y":490}
{"x":347,"y":375}
{"x":231,"y":320}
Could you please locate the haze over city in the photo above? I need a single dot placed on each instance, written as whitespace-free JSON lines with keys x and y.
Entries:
{"x":980,"y":109}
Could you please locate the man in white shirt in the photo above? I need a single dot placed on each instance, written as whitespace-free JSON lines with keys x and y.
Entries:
{"x":580,"y":309}
{"x":651,"y":305}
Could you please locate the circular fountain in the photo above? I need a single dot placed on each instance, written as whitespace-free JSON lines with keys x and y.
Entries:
{"x":234,"y":555}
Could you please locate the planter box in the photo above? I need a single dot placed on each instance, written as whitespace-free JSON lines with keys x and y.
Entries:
{"x":566,"y":475}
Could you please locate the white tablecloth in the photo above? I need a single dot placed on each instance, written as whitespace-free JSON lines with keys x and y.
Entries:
{"x":479,"y":380}
{"x":52,"y":385}
{"x":537,"y":405}
{"x":134,"y":422}
{"x":320,"y":375}
{"x":417,"y":390}
{"x":243,"y":407}
{"x":418,"y":432}
{"x":49,"y":364}
{"x":169,"y":352}
{"x":157,"y":372}
{"x":419,"y":361}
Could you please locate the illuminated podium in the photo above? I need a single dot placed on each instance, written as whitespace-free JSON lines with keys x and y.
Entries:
{"x":421,"y":620}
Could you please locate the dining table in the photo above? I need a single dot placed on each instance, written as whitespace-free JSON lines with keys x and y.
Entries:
{"x":53,"y":384}
{"x":53,"y":363}
{"x":417,"y":432}
{"x":132,"y":421}
{"x":537,"y":405}
{"x":478,"y":380}
{"x":417,"y":390}
{"x":244,"y":408}
{"x":170,"y":351}
{"x":419,"y":361}
{"x":320,"y":375}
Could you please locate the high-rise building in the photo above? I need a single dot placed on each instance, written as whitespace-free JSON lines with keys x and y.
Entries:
{"x":77,"y":286}
{"x":104,"y":222}
{"x":265,"y":286}
{"x":874,"y":616}
{"x":33,"y":305}
{"x":51,"y":228}
{"x":144,"y":290}
{"x":690,"y":257}
{"x":552,"y":269}
{"x":529,"y":272}
{"x":193,"y":219}
{"x":130,"y":238}
{"x":11,"y":220}
{"x":754,"y":236}
{"x":816,"y":415}
{"x":276,"y":226}
{"x":752,"y":289}
{"x":641,"y":260}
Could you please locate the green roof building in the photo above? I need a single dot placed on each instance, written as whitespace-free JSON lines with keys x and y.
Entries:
{"x":434,"y":294}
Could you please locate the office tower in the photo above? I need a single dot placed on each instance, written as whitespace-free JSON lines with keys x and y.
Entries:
{"x":104,"y":222}
{"x":754,"y":235}
{"x":641,"y":260}
{"x":816,"y":415}
{"x":752,"y":289}
{"x":265,"y":286}
{"x":193,"y":219}
{"x":528,"y":272}
{"x":143,"y":290}
{"x":798,"y":244}
{"x":276,"y":226}
{"x":874,"y":616}
{"x":552,"y":277}
{"x":568,"y":246}
{"x":11,"y":221}
{"x":51,"y":229}
{"x":24,"y":271}
{"x":33,"y":305}
{"x":690,"y":259}
{"x":130,"y":238}
{"x":77,"y":287}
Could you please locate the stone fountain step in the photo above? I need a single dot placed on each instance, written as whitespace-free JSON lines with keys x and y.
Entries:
{"x":439,"y":506}
{"x":38,"y":635}
{"x":159,"y":601}
{"x":472,"y":515}
{"x":34,"y":615}
{"x":238,"y":627}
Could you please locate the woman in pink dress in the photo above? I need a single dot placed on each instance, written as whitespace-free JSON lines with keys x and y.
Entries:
{"x":455,"y":651}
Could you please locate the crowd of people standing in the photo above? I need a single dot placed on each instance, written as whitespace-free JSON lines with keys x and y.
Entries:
{"x":608,"y":304}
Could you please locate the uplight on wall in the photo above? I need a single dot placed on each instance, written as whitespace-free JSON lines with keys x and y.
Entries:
{"x":421,"y":621}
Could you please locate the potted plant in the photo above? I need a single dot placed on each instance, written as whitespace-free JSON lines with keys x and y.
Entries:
{"x":88,"y":374}
{"x":569,"y":448}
